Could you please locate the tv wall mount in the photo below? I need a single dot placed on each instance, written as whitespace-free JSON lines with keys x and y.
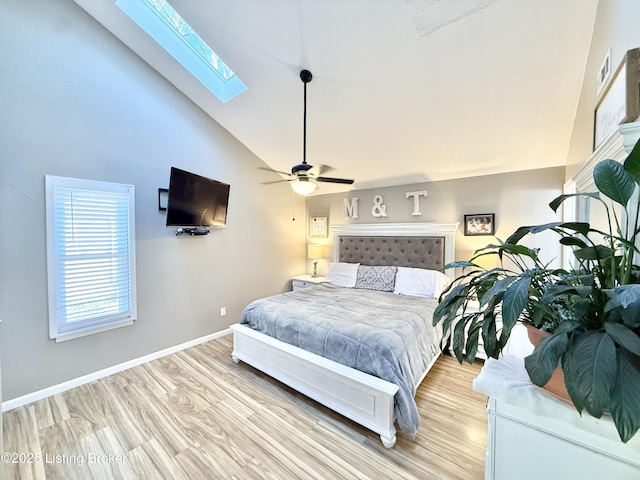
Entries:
{"x":191,"y":231}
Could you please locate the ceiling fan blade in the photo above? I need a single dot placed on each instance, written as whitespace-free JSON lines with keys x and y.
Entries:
{"x":275,"y":181}
{"x":275,"y":171}
{"x":334,"y":180}
{"x":318,"y":170}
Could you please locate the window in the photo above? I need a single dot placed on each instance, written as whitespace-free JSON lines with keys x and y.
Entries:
{"x":168,"y":28}
{"x":90,"y":256}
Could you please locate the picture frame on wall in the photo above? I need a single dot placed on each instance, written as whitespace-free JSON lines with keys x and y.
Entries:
{"x":480,"y":224}
{"x":620,"y":101}
{"x":163,"y":196}
{"x":318,"y":227}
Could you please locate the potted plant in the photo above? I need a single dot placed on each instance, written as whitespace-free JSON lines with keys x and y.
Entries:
{"x":591,"y":311}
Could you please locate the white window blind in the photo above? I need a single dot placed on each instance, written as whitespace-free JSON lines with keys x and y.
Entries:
{"x":90,"y":256}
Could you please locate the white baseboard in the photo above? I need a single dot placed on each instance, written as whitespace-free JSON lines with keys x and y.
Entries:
{"x":76,"y":382}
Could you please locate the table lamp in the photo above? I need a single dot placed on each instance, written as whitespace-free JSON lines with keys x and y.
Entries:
{"x":314,"y":252}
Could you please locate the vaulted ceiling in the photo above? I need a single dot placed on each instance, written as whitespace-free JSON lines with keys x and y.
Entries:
{"x":403,"y":91}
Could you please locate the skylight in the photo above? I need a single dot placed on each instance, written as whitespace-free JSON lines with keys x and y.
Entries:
{"x":168,"y":28}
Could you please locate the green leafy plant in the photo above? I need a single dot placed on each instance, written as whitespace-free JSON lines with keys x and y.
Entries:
{"x":592,"y":311}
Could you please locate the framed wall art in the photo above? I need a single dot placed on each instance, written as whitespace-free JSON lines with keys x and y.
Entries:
{"x":480,"y":224}
{"x":163,"y":194}
{"x":318,"y":227}
{"x":620,"y":102}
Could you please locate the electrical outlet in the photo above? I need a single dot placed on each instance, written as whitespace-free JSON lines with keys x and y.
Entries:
{"x":223,"y":311}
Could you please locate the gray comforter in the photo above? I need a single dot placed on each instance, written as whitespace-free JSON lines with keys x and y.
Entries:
{"x":379,"y":333}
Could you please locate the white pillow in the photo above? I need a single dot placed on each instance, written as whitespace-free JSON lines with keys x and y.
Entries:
{"x":343,"y":274}
{"x":420,"y":282}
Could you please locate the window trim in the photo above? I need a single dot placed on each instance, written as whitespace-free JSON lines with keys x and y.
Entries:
{"x":61,"y":331}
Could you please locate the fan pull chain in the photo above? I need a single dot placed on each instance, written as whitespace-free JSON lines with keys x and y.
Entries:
{"x":293,"y":206}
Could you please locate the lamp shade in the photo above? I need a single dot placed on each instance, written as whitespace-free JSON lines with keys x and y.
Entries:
{"x":314,"y":251}
{"x":303,"y":186}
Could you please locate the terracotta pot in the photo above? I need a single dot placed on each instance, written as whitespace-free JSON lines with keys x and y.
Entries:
{"x":556,"y":382}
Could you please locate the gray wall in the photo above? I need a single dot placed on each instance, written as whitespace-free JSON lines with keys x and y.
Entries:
{"x":616,"y":28}
{"x":517,"y":199}
{"x":78,"y":103}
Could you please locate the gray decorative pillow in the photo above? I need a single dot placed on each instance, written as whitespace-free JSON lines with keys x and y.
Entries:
{"x":376,"y":278}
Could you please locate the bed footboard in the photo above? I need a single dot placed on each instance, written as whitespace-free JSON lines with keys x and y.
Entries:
{"x":363,"y":398}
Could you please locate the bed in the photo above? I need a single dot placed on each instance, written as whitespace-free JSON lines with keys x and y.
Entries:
{"x":353,"y":389}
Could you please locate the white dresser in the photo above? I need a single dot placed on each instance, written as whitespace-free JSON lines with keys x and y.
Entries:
{"x":303,"y":281}
{"x":532,"y":435}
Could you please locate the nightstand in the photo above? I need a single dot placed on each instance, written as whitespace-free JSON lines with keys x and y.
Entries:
{"x":303,"y":281}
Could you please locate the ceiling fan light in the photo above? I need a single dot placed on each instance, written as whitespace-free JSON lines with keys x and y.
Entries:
{"x":303,"y":187}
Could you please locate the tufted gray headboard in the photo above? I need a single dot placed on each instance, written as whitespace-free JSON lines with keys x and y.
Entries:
{"x":422,"y":245}
{"x":420,"y":252}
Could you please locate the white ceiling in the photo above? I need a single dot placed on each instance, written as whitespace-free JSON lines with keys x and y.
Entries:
{"x":403,"y":91}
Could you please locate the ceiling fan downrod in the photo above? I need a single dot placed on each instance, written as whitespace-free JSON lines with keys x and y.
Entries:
{"x":305,"y":76}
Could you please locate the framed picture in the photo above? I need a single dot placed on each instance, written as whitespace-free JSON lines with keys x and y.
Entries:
{"x":480,"y":224}
{"x":620,"y":102}
{"x":318,"y":227}
{"x":163,"y":194}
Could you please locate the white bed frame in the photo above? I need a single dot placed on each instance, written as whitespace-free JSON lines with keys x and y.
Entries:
{"x":364,"y":398}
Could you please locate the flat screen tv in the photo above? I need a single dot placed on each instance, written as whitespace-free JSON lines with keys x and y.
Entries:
{"x":195,"y":201}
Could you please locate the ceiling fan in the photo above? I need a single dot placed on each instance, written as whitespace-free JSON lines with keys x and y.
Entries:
{"x":304,"y":176}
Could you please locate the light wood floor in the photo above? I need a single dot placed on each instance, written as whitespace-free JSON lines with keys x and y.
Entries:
{"x":197,"y":415}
